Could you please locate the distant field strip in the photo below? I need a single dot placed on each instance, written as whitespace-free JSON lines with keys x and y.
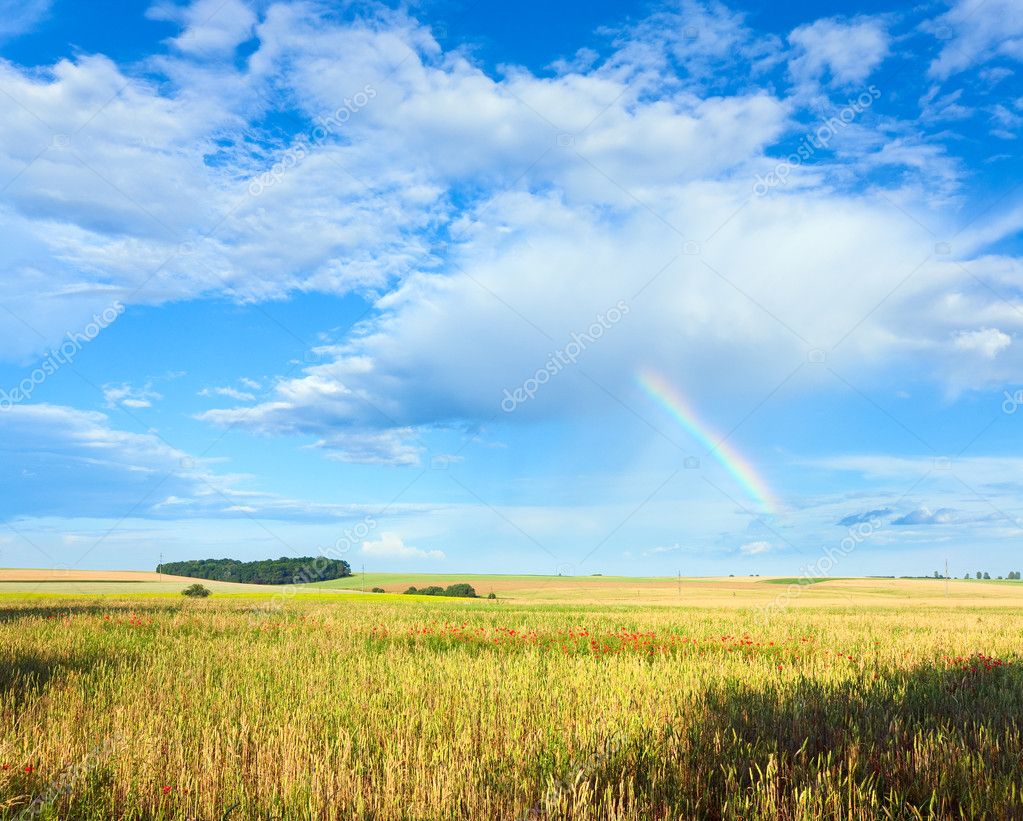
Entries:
{"x":800,"y":580}
{"x":728,"y":592}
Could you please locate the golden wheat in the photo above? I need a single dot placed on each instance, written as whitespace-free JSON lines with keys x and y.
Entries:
{"x":389,"y":707}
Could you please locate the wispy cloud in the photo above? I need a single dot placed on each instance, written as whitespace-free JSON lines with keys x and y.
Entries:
{"x":230,"y":393}
{"x":129,"y":396}
{"x":18,"y":17}
{"x":867,"y":516}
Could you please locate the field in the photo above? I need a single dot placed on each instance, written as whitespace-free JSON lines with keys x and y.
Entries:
{"x":119,"y":582}
{"x":736,"y":698}
{"x":722,"y":592}
{"x":741,"y":591}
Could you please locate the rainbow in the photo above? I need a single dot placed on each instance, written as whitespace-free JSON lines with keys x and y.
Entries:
{"x":734,"y":462}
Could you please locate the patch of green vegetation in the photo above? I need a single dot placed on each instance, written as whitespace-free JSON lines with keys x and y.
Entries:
{"x":460,"y":591}
{"x":285,"y":570}
{"x":358,"y":580}
{"x":803,"y":580}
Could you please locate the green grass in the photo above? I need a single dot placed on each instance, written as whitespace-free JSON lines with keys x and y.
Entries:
{"x":357,"y":580}
{"x":803,"y":580}
{"x":122,"y":588}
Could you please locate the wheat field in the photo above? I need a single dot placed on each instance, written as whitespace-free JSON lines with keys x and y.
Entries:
{"x":393,"y":707}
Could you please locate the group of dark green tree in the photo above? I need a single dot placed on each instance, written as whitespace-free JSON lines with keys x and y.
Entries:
{"x":300,"y":570}
{"x":462,"y":591}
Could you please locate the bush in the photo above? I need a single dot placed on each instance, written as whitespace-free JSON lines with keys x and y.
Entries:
{"x":378,"y":590}
{"x":196,"y":591}
{"x":492,"y":595}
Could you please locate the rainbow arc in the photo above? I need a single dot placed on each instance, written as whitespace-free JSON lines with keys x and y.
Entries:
{"x":737,"y":465}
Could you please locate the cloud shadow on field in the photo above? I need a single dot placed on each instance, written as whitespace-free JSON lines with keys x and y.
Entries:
{"x":58,"y":611}
{"x":932,"y":742}
{"x":25,"y":674}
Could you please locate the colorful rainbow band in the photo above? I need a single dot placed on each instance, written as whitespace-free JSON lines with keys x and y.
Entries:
{"x":734,"y":462}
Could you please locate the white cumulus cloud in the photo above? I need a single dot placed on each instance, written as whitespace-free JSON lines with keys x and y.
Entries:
{"x":392,"y":546}
{"x":842,"y":52}
{"x":988,"y":342}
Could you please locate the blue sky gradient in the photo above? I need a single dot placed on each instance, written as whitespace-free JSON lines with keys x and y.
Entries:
{"x":331,"y":240}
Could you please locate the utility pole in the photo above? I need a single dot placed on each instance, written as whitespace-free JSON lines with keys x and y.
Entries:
{"x":364,"y":577}
{"x":946,"y":576}
{"x":160,"y":565}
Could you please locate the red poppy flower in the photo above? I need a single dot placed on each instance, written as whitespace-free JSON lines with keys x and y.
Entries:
{"x":166,"y":789}
{"x":28,"y":768}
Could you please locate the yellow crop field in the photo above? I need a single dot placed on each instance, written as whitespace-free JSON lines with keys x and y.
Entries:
{"x":402,"y":707}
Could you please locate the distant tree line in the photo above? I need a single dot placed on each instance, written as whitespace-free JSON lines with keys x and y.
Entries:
{"x":464,"y":591}
{"x":1013,"y":575}
{"x":301,"y":570}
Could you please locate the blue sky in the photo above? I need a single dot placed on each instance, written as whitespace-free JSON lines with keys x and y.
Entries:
{"x":384,"y":282}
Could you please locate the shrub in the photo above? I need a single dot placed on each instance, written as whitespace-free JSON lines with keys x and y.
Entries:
{"x":378,"y":590}
{"x":463,"y":590}
{"x":492,"y":595}
{"x":432,"y":590}
{"x":196,"y":591}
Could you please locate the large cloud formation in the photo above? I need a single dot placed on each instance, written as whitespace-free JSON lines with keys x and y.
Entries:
{"x":490,"y":218}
